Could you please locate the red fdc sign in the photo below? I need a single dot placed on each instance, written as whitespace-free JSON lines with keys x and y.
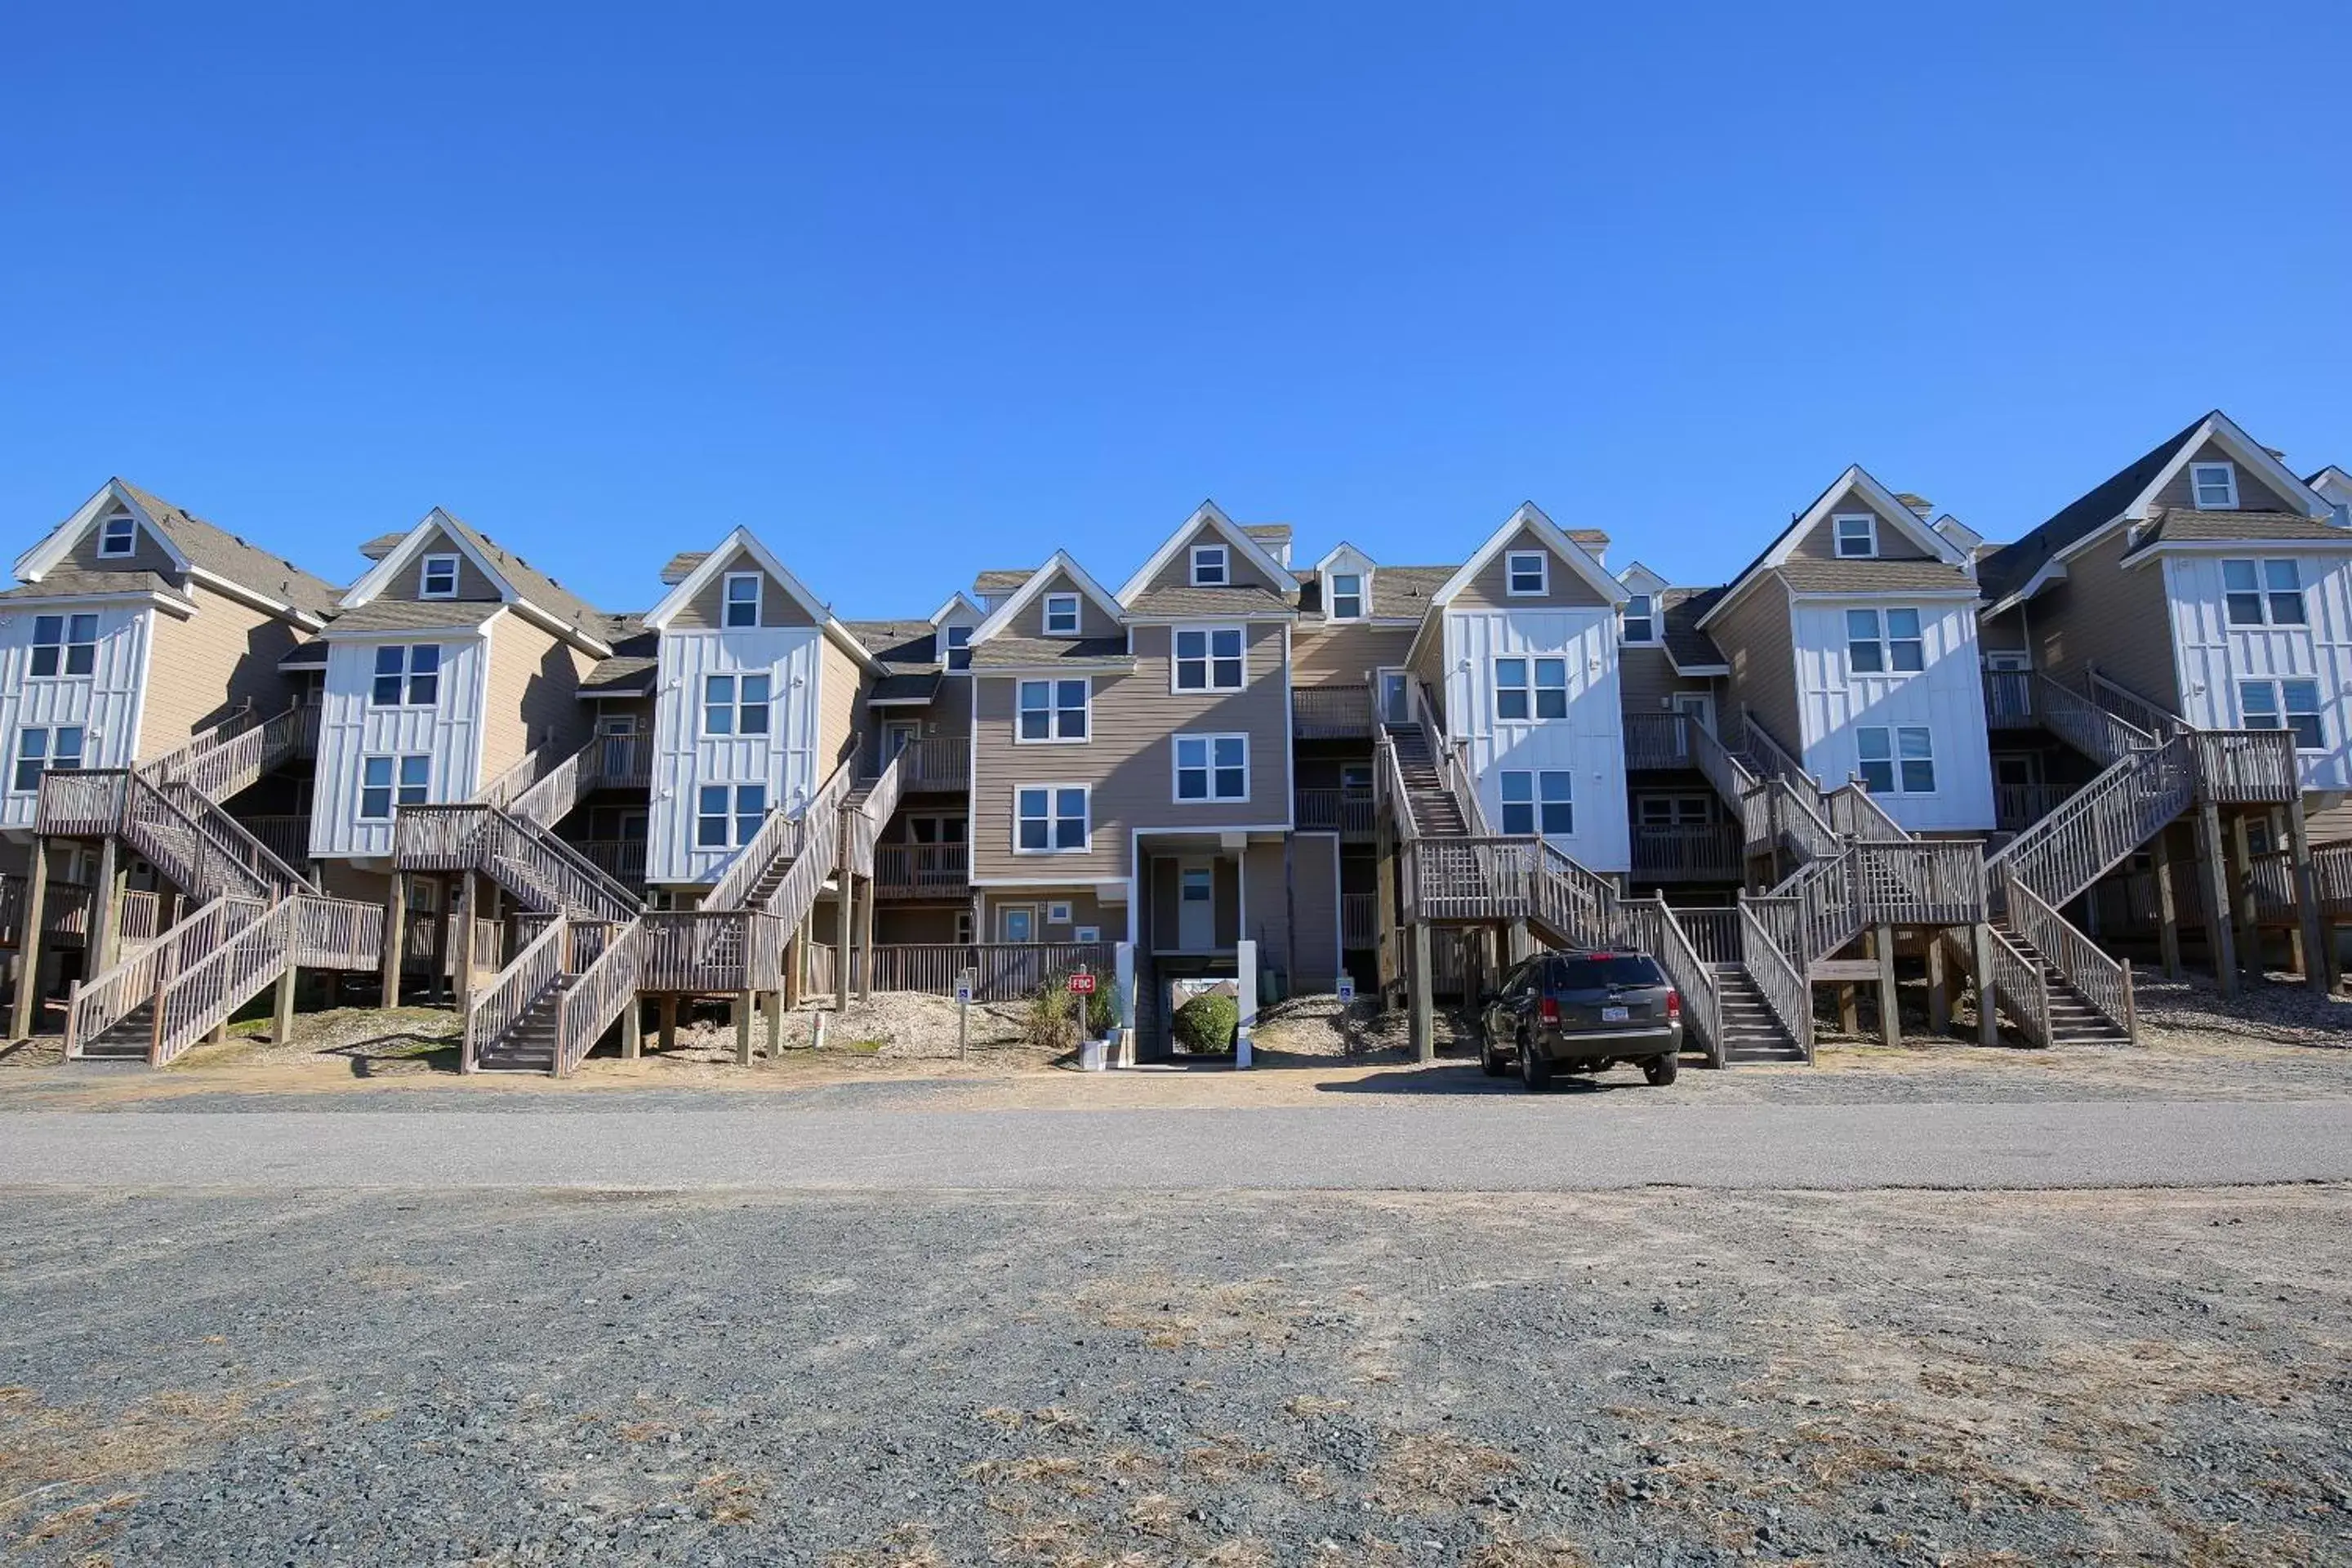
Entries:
{"x":1082,"y":984}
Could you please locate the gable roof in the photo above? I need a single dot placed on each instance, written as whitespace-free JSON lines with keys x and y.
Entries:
{"x":1060,"y":562}
{"x":203,"y":550}
{"x":900,"y":645}
{"x":741,"y":542}
{"x":1639,"y":579}
{"x":1398,"y":592}
{"x":529,"y":591}
{"x":948,"y":609}
{"x":1947,"y":567}
{"x":1210,"y":515}
{"x":2237,"y":528}
{"x":1690,"y":650}
{"x":1530,"y":517}
{"x":2018,"y":568}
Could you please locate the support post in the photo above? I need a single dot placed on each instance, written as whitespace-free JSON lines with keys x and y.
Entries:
{"x":1245,"y":990}
{"x":1890,"y":999}
{"x":396,"y":935}
{"x":632,"y":1030}
{"x":745,"y":1001}
{"x":29,"y":946}
{"x":844,"y":923}
{"x":281,"y":1021}
{"x":2318,"y":945}
{"x":442,"y":925}
{"x":865,"y":947}
{"x":792,"y":960}
{"x":460,"y":916}
{"x":1939,"y":996}
{"x":2217,"y":898}
{"x":669,"y":1023}
{"x":1424,"y":1019}
{"x":105,"y":908}
{"x":1988,"y":1023}
{"x":2250,"y":931}
{"x":2167,"y":907}
{"x":1849,"y":1009}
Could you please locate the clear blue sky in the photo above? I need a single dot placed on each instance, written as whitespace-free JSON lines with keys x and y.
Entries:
{"x":919,"y":290}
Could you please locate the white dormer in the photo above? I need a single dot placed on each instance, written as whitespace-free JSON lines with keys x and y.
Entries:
{"x":1345,"y":576}
{"x":1641,"y":622}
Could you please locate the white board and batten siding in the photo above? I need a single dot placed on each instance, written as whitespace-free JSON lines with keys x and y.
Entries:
{"x":2212,"y":656}
{"x":1947,"y":696}
{"x":351,"y":727}
{"x":685,"y":759}
{"x":106,"y":703}
{"x":1588,"y":743}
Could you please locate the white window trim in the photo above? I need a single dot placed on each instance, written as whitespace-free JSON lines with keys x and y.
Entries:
{"x":1656,"y":618}
{"x":1511,"y":559}
{"x":733,"y":814}
{"x":2229,"y":472}
{"x":963,"y":928}
{"x":1535,"y":801}
{"x":758,"y":599}
{"x":702,"y":706}
{"x":1224,"y":554}
{"x":1176,"y":767}
{"x":1058,"y":913}
{"x":2263,"y":591}
{"x":1053,"y":711}
{"x":1895,"y":759}
{"x":1534,"y":688}
{"x":1208,"y":657}
{"x":1331,"y":597}
{"x":952,"y":652}
{"x":425,"y":575}
{"x":1077,"y":614}
{"x":2278,"y":685}
{"x":130,"y":538}
{"x":1035,"y":925}
{"x":408,"y":673}
{"x":1837,"y":535}
{"x":1053,"y":792}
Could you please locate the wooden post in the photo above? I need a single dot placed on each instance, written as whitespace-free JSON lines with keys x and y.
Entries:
{"x":1383,"y":904}
{"x":2249,"y":931}
{"x":632,"y":1030}
{"x":1849,"y":1010}
{"x":1890,"y":999}
{"x":395,"y":937}
{"x":442,"y":969}
{"x":105,"y":909}
{"x":775,"y":1026}
{"x":282,"y":1022}
{"x":2217,"y":898}
{"x":1939,"y":998}
{"x":794,"y":957}
{"x":2318,"y":941}
{"x":844,"y":922}
{"x":1423,"y":1027}
{"x":458,"y":914}
{"x":28,"y":947}
{"x":2167,"y":909}
{"x":865,"y":947}
{"x":744,"y":1002}
{"x":669,"y":1023}
{"x":1988,"y":1024}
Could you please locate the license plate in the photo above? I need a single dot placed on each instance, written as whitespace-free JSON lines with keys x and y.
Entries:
{"x":1614,"y":1014}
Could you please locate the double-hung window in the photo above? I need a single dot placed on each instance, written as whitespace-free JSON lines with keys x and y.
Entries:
{"x":1539,"y":801}
{"x":728,"y":816}
{"x":1897,"y":760}
{"x":41,"y":751}
{"x":1049,"y":819}
{"x":1641,"y":620}
{"x":958,"y":647}
{"x":2214,"y":486}
{"x":1527,"y":572}
{"x":735,"y":704}
{"x":1054,"y":710}
{"x":1061,"y":615}
{"x":1209,"y":566}
{"x":2262,"y":593}
{"x":65,"y":644}
{"x":385,"y":781}
{"x":438,"y":578}
{"x":1530,"y":689}
{"x":1346,"y":596}
{"x":1209,"y":659}
{"x":743,"y":599}
{"x":407,"y":675}
{"x":1211,"y":768}
{"x":2285,"y":705}
{"x":1879,"y":641}
{"x":1857,"y":535}
{"x":117,"y":536}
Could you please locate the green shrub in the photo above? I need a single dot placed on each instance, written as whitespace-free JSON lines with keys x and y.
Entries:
{"x":1058,"y":1023}
{"x":1205,"y":1024}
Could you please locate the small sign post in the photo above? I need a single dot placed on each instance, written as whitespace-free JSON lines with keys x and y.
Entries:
{"x":1346,"y":991}
{"x":1082,"y":983}
{"x":963,"y":1015}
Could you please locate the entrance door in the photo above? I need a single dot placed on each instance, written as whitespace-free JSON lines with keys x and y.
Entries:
{"x":1396,"y":697}
{"x":1698,"y":705}
{"x":896,"y":737}
{"x":618,"y":734}
{"x":1017,"y":922}
{"x":1196,"y":906}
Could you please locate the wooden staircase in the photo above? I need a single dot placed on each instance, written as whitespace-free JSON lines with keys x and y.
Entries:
{"x":533,"y":1043}
{"x":2069,"y":1017}
{"x":1751,"y":1032}
{"x":1436,"y":814}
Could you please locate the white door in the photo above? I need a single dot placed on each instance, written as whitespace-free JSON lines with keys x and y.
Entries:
{"x":1396,"y":697}
{"x":1196,"y":906}
{"x":618,"y":732}
{"x":1698,"y":705}
{"x":1017,"y":922}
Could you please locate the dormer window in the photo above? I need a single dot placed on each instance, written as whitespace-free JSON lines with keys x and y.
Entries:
{"x":2214,"y":486}
{"x":439,"y":578}
{"x":743,"y":599}
{"x":1209,"y":566}
{"x":1061,"y":615}
{"x":1641,"y":620}
{"x":1857,"y":536}
{"x":958,"y":647}
{"x":1527,"y":572}
{"x":1346,"y":596}
{"x":117,"y":536}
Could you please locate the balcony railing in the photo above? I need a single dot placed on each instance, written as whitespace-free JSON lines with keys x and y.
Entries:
{"x":1331,"y":712}
{"x":1657,"y":741}
{"x":1346,"y":812}
{"x":939,"y":764}
{"x":289,"y":837}
{"x":922,"y":870}
{"x":1359,"y":919}
{"x":623,"y":859}
{"x":1685,"y":853}
{"x":2017,"y":806}
{"x":621,"y":761}
{"x":2008,"y":698}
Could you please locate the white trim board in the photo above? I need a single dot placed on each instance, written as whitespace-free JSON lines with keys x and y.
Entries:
{"x":1207,"y":514}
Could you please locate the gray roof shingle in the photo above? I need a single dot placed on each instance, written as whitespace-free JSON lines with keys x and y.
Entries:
{"x":1687,"y":646}
{"x":541,"y":590}
{"x":2194,"y":527}
{"x":621,"y":675}
{"x":1005,"y":651}
{"x":1238,"y":600}
{"x":216,"y":550}
{"x":1398,"y":592}
{"x":1871,"y":576}
{"x":72,"y":582}
{"x":2011,"y":566}
{"x":899,"y":644}
{"x":412,"y":616}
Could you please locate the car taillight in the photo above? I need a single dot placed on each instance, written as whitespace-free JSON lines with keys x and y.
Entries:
{"x":1550,"y":1011}
{"x":1673,"y":1004}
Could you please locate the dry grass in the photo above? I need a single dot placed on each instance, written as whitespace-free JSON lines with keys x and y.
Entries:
{"x":52,"y":1457}
{"x":1175,"y":1314}
{"x":1430,"y":1472}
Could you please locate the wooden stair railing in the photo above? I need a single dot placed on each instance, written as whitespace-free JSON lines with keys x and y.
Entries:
{"x":549,"y":799}
{"x":2105,"y":982}
{"x":542,"y":870}
{"x":248,"y":957}
{"x":232,"y":756}
{"x":95,"y":1005}
{"x":493,"y":1010}
{"x":781,"y":837}
{"x":1778,"y":978}
{"x":597,"y":995}
{"x":2096,"y":826}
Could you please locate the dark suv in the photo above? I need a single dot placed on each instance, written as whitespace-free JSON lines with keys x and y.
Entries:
{"x":1580,"y":1012}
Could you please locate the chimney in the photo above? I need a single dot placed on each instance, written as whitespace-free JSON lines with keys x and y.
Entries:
{"x":1594,"y":541}
{"x":1920,"y":504}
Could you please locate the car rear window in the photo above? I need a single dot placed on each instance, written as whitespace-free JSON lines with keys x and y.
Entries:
{"x":1616,"y":969}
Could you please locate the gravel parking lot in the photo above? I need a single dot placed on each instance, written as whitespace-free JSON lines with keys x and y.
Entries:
{"x":1650,"y":1378}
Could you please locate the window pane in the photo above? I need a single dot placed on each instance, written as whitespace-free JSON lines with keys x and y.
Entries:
{"x":1916,"y":742}
{"x":1555,"y":785}
{"x":1071,"y":803}
{"x":1903,"y":623}
{"x":1918,"y":778}
{"x":376,"y":770}
{"x":2259,"y":701}
{"x":67,"y":755}
{"x":388,"y":660}
{"x":1879,"y":778}
{"x":1862,"y":626}
{"x":1873,"y":743}
{"x":1192,"y":753}
{"x":1227,"y":644}
{"x":1866,"y":657}
{"x":2276,"y":575}
{"x":1192,"y":784}
{"x":1230,"y":751}
{"x":1519,"y":816}
{"x":1519,"y":786}
{"x":2244,"y":609}
{"x":755,"y":689}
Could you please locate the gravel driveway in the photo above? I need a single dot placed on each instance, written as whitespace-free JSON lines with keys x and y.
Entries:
{"x":467,"y":1377}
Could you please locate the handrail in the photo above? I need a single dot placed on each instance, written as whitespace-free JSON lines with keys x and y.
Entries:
{"x":234,"y":760}
{"x":1671,"y":945}
{"x":1855,"y":813}
{"x":105,"y":999}
{"x":2100,"y":824}
{"x":1730,"y":776}
{"x":864,"y":826}
{"x":518,"y":777}
{"x":780,"y":830}
{"x":596,"y":998}
{"x":1398,"y":800}
{"x":1796,"y":820}
{"x":495,"y":1008}
{"x":2086,"y":726}
{"x":337,"y":933}
{"x":550,"y":798}
{"x":172,"y":765}
{"x":2246,"y":766}
{"x":2131,"y":707}
{"x":230,"y":836}
{"x":795,"y":895}
{"x":1774,"y":760}
{"x":2105,"y":982}
{"x":246,"y":958}
{"x":1779,"y":980}
{"x":2022,"y":983}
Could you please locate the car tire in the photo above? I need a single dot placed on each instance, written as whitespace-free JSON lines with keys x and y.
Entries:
{"x":1661,"y":1071}
{"x":1491,"y":1064}
{"x":1535,"y":1070}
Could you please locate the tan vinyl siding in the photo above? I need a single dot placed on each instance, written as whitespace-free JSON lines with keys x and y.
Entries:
{"x":203,"y":669}
{"x":1314,"y":956}
{"x":532,"y":695}
{"x":1820,"y":541}
{"x":1428,"y":666}
{"x":1240,"y":570}
{"x":2179,"y":494}
{"x":896,"y":925}
{"x":1093,"y":620}
{"x":1086,"y":909}
{"x":841,"y":703}
{"x":1645,"y":680}
{"x":1756,"y":638}
{"x":707,"y":609}
{"x":2003,"y":633}
{"x":1490,"y":589}
{"x":149,"y":556}
{"x":1265,"y":901}
{"x":2332,"y":826}
{"x":1129,"y":760}
{"x":2099,"y":613}
{"x":1160,"y":932}
{"x":471,"y":584}
{"x":1347,"y":653}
